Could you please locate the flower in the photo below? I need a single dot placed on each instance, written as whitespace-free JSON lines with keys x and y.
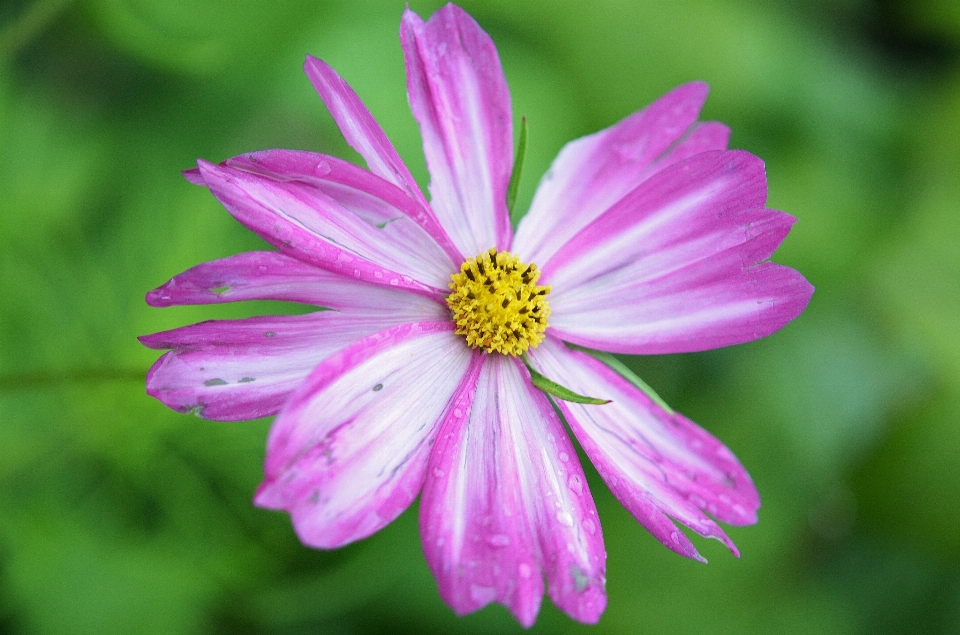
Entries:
{"x":647,"y":237}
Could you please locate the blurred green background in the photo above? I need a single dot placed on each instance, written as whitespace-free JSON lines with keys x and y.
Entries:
{"x":120,"y":516}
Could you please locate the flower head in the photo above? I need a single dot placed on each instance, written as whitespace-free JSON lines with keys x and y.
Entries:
{"x":647,"y":237}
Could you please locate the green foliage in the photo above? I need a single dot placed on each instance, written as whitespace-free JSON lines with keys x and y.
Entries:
{"x":120,"y":516}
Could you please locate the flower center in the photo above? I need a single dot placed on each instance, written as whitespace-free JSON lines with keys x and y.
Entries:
{"x":497,"y":304}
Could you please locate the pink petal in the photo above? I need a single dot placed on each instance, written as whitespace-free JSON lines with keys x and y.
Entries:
{"x":591,"y":174}
{"x":506,"y":501}
{"x":361,"y":130}
{"x":656,"y":463}
{"x":677,"y":265}
{"x":245,"y":369}
{"x":268,"y":275}
{"x":305,"y":222}
{"x":459,"y":96}
{"x":193,"y":175}
{"x":347,"y":455}
{"x":377,"y":201}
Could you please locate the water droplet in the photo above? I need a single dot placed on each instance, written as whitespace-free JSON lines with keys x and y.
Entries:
{"x":498,"y":540}
{"x":356,"y":273}
{"x":564,"y":457}
{"x":378,"y":274}
{"x":565,"y":519}
{"x":675,"y":536}
{"x":322,"y":168}
{"x":457,"y":413}
{"x":579,"y":579}
{"x":724,"y":452}
{"x":437,"y":472}
{"x":394,"y":282}
{"x":482,"y":594}
{"x":575,"y":483}
{"x":441,"y":542}
{"x":525,"y":570}
{"x":590,"y":527}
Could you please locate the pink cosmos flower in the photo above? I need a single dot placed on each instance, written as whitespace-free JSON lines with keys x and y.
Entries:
{"x":647,"y":237}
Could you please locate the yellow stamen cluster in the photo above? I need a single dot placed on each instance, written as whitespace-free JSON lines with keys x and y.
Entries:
{"x":497,"y":304}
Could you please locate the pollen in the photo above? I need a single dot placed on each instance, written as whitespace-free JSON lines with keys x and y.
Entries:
{"x":497,"y":304}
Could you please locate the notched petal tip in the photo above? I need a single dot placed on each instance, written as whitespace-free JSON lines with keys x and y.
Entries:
{"x":193,"y":175}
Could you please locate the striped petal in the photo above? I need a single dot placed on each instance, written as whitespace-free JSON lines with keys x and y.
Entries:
{"x":268,"y":275}
{"x":506,"y":502}
{"x":361,"y":130}
{"x":459,"y":96}
{"x":372,"y":198}
{"x":307,"y":223}
{"x":231,"y":370}
{"x":678,"y":264}
{"x":592,"y":173}
{"x":656,"y":463}
{"x":347,"y":455}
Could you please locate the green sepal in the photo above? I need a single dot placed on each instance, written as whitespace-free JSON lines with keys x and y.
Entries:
{"x":517,"y":166}
{"x":558,"y":391}
{"x":621,"y":369}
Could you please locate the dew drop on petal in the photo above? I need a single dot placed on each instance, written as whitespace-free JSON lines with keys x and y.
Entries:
{"x":724,"y":452}
{"x":675,"y":536}
{"x":394,"y":282}
{"x":575,"y":483}
{"x":322,"y":168}
{"x":590,"y":526}
{"x":525,"y":570}
{"x":482,"y":594}
{"x":437,"y":472}
{"x":498,"y":540}
{"x":565,"y":519}
{"x":564,"y":457}
{"x":580,"y":579}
